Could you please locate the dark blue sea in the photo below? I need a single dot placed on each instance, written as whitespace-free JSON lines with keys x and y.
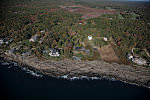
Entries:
{"x":17,"y":83}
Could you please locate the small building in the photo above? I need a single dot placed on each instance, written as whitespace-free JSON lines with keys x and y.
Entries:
{"x":110,"y":18}
{"x":43,"y":31}
{"x":26,"y":53}
{"x":45,"y":51}
{"x":136,"y":59}
{"x":81,"y":49}
{"x":105,"y":39}
{"x":85,"y":50}
{"x":129,"y":56}
{"x":11,"y":50}
{"x":77,"y":48}
{"x":41,"y":40}
{"x":54,"y":52}
{"x":7,"y":42}
{"x":139,"y":61}
{"x":76,"y":58}
{"x":1,"y":42}
{"x":11,"y":40}
{"x":90,"y":37}
{"x":33,"y":39}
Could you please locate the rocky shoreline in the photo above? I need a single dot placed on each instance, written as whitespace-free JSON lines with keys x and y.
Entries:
{"x":135,"y":75}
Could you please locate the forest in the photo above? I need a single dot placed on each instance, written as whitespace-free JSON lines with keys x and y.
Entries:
{"x":53,"y":26}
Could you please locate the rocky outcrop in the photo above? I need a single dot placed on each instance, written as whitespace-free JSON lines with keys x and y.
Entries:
{"x":139,"y":75}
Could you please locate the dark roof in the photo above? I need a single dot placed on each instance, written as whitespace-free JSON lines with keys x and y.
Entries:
{"x":54,"y":50}
{"x":77,"y":48}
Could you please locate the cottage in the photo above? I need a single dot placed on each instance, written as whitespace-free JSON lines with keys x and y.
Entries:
{"x":90,"y":37}
{"x":54,"y":52}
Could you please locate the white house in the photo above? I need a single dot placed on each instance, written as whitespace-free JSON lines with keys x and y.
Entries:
{"x":105,"y":39}
{"x":110,"y":18}
{"x":54,"y":52}
{"x":90,"y":37}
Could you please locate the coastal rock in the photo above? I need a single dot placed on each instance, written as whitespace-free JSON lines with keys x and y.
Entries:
{"x":139,"y":75}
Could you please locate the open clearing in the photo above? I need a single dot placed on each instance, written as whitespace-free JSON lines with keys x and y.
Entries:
{"x":87,"y":12}
{"x":107,"y":53}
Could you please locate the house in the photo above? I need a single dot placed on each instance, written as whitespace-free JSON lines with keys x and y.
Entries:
{"x":76,"y":58}
{"x":45,"y":51}
{"x":11,"y":50}
{"x":110,"y":18}
{"x":26,"y":53}
{"x":41,"y":40}
{"x":1,"y":42}
{"x":81,"y":49}
{"x":90,"y":37}
{"x":139,"y":61}
{"x":77,"y":48}
{"x":95,"y":48}
{"x":136,"y":59}
{"x":129,"y":56}
{"x":105,"y":39}
{"x":82,"y":22}
{"x":7,"y":42}
{"x":85,"y":50}
{"x":11,"y":40}
{"x":43,"y":31}
{"x":33,"y":39}
{"x":54,"y":52}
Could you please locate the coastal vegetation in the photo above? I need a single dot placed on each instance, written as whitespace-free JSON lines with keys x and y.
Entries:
{"x":35,"y":26}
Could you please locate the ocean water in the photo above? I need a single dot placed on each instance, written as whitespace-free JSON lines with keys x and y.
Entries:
{"x":18,"y":83}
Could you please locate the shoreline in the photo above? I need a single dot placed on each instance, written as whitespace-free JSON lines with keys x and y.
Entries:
{"x":133,"y":75}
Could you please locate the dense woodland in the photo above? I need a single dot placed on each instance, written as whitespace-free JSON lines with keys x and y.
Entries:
{"x":21,"y":19}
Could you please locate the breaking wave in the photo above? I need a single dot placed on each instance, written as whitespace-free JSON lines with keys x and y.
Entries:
{"x":85,"y":77}
{"x":28,"y":71}
{"x":32,"y":72}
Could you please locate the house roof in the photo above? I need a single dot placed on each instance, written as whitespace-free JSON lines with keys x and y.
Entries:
{"x":77,"y":48}
{"x":54,"y":50}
